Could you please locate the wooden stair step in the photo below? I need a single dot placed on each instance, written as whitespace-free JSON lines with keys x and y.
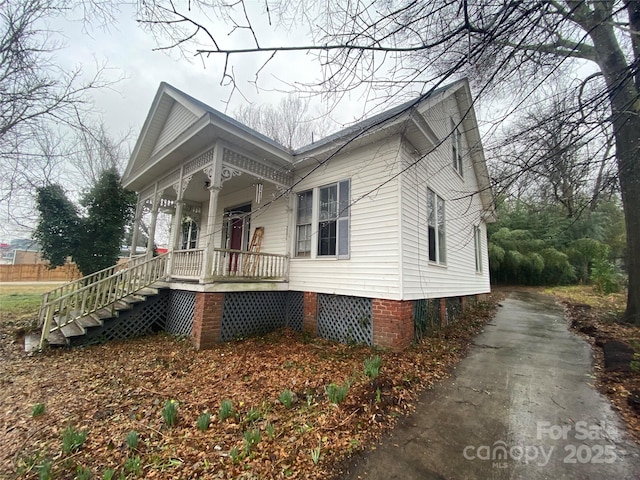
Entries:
{"x":57,"y":338}
{"x":147,"y":291}
{"x":103,"y":314}
{"x":131,"y":299}
{"x":72,"y":330}
{"x":89,"y":321}
{"x":121,"y":305}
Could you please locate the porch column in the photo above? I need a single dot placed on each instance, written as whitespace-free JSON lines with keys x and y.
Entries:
{"x":174,"y":242}
{"x":136,"y":228}
{"x":175,"y":228}
{"x":214,"y":191}
{"x":152,"y":225}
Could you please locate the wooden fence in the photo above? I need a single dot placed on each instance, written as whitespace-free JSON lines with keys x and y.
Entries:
{"x":39,"y":272}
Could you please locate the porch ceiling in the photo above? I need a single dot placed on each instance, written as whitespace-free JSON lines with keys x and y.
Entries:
{"x":197,"y":192}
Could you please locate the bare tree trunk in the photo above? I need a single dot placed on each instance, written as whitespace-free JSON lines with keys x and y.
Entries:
{"x":626,"y":129}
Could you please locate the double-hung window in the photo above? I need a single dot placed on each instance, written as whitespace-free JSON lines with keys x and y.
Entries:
{"x":327,"y":206}
{"x":333,"y":220}
{"x":477,"y":245}
{"x":436,"y":230}
{"x":189,"y":234}
{"x":303,"y":223}
{"x":456,"y":148}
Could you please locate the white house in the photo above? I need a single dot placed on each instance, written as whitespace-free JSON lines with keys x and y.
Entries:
{"x":356,"y":237}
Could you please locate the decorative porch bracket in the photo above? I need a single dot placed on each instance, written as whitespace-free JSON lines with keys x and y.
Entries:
{"x":282,"y":178}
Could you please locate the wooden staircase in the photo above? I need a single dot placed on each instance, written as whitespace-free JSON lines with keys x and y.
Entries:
{"x":73,"y":309}
{"x":70,"y":332}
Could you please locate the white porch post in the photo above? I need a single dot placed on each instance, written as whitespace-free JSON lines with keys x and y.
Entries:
{"x":207,"y":263}
{"x":214,"y":173}
{"x":136,"y":228}
{"x":176,"y":230}
{"x":152,"y":225}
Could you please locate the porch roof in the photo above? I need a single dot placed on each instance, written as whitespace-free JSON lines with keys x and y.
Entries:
{"x":196,"y":127}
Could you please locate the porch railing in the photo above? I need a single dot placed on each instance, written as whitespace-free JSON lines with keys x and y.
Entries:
{"x":255,"y":265}
{"x":187,"y":263}
{"x":230,"y":264}
{"x":89,"y":294}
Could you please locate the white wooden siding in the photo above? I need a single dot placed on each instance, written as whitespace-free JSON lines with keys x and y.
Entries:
{"x":373,"y":269}
{"x":421,"y":278}
{"x":178,"y":120}
{"x":273,"y":216}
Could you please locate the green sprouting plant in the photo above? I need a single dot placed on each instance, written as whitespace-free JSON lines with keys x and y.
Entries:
{"x":26,"y":464}
{"x":226,"y":410}
{"x":271,"y":431}
{"x":37,"y":410}
{"x":315,"y":455}
{"x":170,"y":412}
{"x":378,"y":395}
{"x":353,"y":444}
{"x":337,"y":393}
{"x":133,"y":465}
{"x":372,"y":366}
{"x":286,"y":398}
{"x":83,"y":473}
{"x":108,"y":474}
{"x":234,"y":454}
{"x":253,"y":415}
{"x":251,"y":439}
{"x":203,"y":422}
{"x":44,"y":470}
{"x":132,"y":439}
{"x":72,"y":439}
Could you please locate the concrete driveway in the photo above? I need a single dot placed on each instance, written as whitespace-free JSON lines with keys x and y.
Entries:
{"x":521,"y":406}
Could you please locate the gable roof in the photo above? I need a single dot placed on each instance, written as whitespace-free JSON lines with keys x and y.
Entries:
{"x":375,"y":121}
{"x":200,"y":124}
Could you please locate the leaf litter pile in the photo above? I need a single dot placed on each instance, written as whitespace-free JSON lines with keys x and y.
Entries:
{"x":616,"y":347}
{"x":279,"y":406}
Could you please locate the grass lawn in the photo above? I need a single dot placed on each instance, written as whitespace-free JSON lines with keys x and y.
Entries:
{"x":20,"y":301}
{"x":613,"y":304}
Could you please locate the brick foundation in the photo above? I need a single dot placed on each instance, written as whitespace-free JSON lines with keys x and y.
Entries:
{"x":207,"y":319}
{"x":392,"y":323}
{"x":310,"y":318}
{"x":443,"y":312}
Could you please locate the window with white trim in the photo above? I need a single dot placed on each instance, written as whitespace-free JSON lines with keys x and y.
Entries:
{"x":333,"y":220}
{"x":456,"y":148}
{"x":303,"y":223}
{"x":436,"y":228}
{"x":189,"y":234}
{"x":477,"y":245}
{"x":331,"y":214}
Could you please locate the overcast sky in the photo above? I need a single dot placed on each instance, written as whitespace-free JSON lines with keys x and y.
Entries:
{"x":128,"y":51}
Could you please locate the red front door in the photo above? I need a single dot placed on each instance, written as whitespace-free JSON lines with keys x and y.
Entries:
{"x":237,"y":233}
{"x":235,"y":242}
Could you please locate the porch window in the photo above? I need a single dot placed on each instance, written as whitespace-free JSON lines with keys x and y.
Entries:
{"x":477,"y":244}
{"x":456,"y":148}
{"x":333,"y":220}
{"x":436,"y":228}
{"x":303,"y":224}
{"x":189,"y":234}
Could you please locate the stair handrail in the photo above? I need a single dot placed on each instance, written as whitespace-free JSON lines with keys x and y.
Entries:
{"x":75,"y":285}
{"x":99,"y":290}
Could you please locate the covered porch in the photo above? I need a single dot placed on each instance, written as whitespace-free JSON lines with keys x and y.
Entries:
{"x":228,"y":219}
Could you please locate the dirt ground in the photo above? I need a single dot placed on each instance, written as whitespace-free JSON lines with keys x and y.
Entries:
{"x":109,"y":391}
{"x":616,"y":368}
{"x":98,"y":411}
{"x":526,"y":376}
